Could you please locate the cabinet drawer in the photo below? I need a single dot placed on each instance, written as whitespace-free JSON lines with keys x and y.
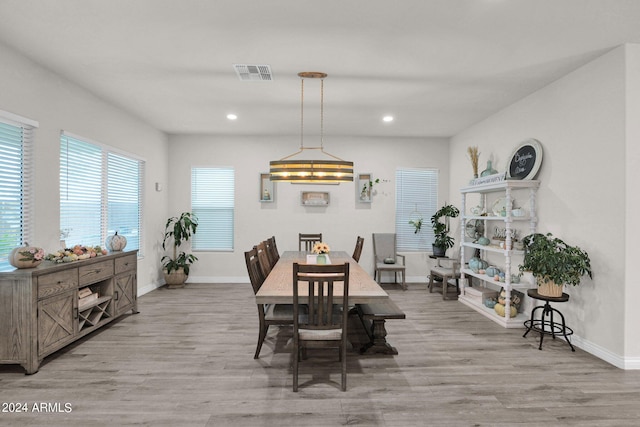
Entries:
{"x":95,"y":272}
{"x":54,"y":283}
{"x":126,"y":263}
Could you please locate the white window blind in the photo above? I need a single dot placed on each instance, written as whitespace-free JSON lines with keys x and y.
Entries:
{"x":124,"y":197}
{"x":213,"y":202}
{"x":416,"y":197}
{"x":100,"y":193}
{"x":16,"y":169}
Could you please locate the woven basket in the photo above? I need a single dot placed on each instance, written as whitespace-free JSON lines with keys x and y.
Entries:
{"x":549,"y":288}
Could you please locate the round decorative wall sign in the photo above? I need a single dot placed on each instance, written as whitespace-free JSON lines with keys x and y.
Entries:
{"x":525,"y":160}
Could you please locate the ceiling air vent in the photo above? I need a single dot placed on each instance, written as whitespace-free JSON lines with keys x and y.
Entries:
{"x":253,"y":73}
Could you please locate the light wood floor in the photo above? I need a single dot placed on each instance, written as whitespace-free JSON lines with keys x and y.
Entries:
{"x":187,"y":360}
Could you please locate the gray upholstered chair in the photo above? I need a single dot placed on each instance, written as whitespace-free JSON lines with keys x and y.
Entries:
{"x":325,"y":323}
{"x":386,"y":257}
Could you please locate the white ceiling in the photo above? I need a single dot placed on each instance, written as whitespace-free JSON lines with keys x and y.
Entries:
{"x":438,"y":66}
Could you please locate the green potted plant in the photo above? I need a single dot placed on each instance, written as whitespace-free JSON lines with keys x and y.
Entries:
{"x":440,"y":224}
{"x":554,"y":263}
{"x":177,"y":231}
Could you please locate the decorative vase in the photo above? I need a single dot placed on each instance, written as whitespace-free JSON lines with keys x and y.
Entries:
{"x":321,"y":259}
{"x":549,"y":288}
{"x":489,"y":170}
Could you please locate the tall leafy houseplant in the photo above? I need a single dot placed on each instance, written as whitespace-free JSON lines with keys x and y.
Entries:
{"x":554,"y":263}
{"x":440,"y":224}
{"x":177,"y":231}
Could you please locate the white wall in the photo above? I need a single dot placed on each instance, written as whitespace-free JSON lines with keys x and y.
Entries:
{"x":632,"y":197}
{"x":580,"y":121}
{"x":341,"y":222}
{"x":33,"y":92}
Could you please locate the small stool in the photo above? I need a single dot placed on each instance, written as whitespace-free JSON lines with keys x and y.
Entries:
{"x":448,"y":275}
{"x":548,"y":327}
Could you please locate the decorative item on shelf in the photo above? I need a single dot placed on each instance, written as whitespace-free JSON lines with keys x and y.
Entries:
{"x":473,"y":156}
{"x":501,"y":234}
{"x":116,"y":242}
{"x":525,"y":160}
{"x":367,"y":189}
{"x":490,"y":302}
{"x":484,"y":241}
{"x":77,"y":253}
{"x":322,"y":250}
{"x":26,"y":256}
{"x":266,"y":195}
{"x":177,"y":231}
{"x":515,"y":304}
{"x":476,"y":264}
{"x":492,"y":271}
{"x":332,"y":171}
{"x":474,"y":228}
{"x":442,"y":240}
{"x":477,"y":210}
{"x":489,"y":179}
{"x":489,"y":170}
{"x":554,"y":263}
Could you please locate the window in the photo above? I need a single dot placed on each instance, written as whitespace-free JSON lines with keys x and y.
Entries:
{"x":212,"y":201}
{"x":100,"y":194}
{"x":416,"y":198}
{"x":16,"y":139}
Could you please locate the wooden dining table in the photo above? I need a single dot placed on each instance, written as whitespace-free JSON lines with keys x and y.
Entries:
{"x":277,"y":287}
{"x":364,"y":293}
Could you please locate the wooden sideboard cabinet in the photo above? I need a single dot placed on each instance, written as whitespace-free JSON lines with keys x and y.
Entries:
{"x":45,"y":308}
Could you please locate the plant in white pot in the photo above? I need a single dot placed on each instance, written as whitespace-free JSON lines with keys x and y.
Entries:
{"x":554,"y":263}
{"x":177,"y":231}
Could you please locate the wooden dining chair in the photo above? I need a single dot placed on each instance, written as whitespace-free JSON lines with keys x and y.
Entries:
{"x":325,"y":325}
{"x":358,"y":249}
{"x":263,"y":258}
{"x":268,"y":314}
{"x":306,"y":241}
{"x":272,"y":251}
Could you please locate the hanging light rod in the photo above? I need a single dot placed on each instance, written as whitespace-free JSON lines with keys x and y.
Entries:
{"x":332,"y":171}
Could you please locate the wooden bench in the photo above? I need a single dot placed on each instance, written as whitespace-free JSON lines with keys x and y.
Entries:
{"x":373,"y":317}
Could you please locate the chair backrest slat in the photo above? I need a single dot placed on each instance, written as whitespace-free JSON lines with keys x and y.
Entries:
{"x":306,"y":241}
{"x":358,"y":249}
{"x":253,"y":268}
{"x":272,"y":251}
{"x":263,"y":258}
{"x":321,"y":281}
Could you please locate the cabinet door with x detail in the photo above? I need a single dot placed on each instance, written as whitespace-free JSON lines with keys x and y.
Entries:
{"x":57,"y":323}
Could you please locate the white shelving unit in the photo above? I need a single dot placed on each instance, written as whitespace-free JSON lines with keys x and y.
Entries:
{"x":506,"y":255}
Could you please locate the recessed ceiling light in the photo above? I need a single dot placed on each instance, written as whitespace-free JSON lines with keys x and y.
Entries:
{"x":387,"y":119}
{"x":231,"y":116}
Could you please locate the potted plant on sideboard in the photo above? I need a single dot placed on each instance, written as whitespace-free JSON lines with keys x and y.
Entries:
{"x":554,"y":263}
{"x":442,"y":240}
{"x":177,"y":231}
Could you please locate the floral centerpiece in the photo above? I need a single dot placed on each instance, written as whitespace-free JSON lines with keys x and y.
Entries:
{"x":77,"y":253}
{"x":321,"y":248}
